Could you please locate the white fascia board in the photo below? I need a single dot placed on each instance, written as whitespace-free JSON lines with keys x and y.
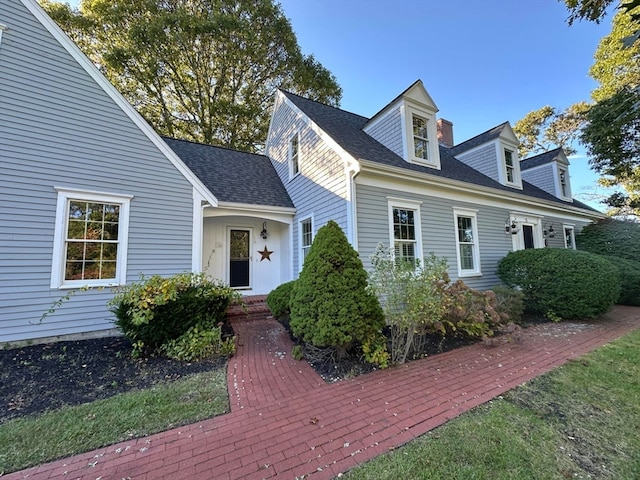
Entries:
{"x":277,"y":214}
{"x":117,"y":97}
{"x":395,"y":178}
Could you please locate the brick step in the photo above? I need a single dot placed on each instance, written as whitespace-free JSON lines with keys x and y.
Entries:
{"x":254,"y":307}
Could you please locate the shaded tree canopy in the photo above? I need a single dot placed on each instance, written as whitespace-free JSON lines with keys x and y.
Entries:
{"x":202,"y":70}
{"x":612,"y":134}
{"x":548,"y":128}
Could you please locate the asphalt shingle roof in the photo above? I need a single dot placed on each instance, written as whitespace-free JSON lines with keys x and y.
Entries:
{"x":346,"y":129}
{"x":478,"y":140}
{"x":541,"y":159}
{"x":233,"y":176}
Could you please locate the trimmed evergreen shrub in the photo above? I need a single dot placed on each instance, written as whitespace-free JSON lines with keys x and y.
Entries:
{"x":629,"y":275}
{"x":156,"y":310}
{"x":330,"y":304}
{"x":561,"y":283}
{"x":279,"y":299}
{"x":611,"y":237}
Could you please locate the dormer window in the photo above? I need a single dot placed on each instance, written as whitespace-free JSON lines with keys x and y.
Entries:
{"x":420,"y":138}
{"x":510,"y":166}
{"x":564,"y":188}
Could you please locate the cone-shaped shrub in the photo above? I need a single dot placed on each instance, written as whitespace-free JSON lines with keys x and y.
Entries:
{"x":330,"y":304}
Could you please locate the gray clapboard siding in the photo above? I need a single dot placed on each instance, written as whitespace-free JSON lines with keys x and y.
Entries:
{"x":482,"y":159}
{"x":320,"y":188}
{"x":59,"y":128}
{"x":388,"y":131}
{"x":542,"y":177}
{"x":437,"y":228}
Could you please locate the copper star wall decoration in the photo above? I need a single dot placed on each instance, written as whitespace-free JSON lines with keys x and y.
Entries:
{"x":265,"y":254}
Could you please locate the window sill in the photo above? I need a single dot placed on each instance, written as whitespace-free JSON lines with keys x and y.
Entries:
{"x":469,"y":274}
{"x":87,"y":285}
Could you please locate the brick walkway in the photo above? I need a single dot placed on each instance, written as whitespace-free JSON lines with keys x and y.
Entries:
{"x":285,"y":422}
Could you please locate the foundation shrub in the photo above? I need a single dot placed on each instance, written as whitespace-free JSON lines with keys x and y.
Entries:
{"x":413,"y":298}
{"x":510,"y":303}
{"x":199,"y":342}
{"x":156,"y":310}
{"x":619,"y":238}
{"x":279,"y":299}
{"x":330,"y":303}
{"x":629,"y":276}
{"x":561,"y":283}
{"x":469,"y":313}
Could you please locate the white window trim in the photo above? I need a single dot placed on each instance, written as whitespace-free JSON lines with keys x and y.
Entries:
{"x":60,"y":234}
{"x":567,"y":180}
{"x":469,"y":213}
{"x":300,"y":249}
{"x":3,"y":27}
{"x":293,"y":174}
{"x":517,"y":175}
{"x":432,"y":137}
{"x":406,"y":205}
{"x":566,"y":227}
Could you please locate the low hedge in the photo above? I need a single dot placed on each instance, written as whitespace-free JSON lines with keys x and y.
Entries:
{"x":562,"y":283}
{"x":629,"y":275}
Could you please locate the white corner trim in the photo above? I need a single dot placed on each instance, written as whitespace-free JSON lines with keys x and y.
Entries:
{"x":117,"y":97}
{"x":3,"y":27}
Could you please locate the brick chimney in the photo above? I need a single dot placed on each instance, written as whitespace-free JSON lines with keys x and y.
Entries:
{"x":445,"y":132}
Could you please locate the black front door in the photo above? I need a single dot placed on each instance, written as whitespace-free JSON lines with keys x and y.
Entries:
{"x":527,"y":234}
{"x":239,"y":261}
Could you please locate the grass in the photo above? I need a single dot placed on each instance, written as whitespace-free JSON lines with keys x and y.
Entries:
{"x":30,"y":441}
{"x":581,"y":420}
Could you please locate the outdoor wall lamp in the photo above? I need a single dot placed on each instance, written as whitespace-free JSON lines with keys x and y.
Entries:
{"x":549,"y":232}
{"x":264,"y":234}
{"x":510,"y":227}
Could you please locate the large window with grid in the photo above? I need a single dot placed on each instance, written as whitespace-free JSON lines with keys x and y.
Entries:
{"x":404,"y":234}
{"x":467,"y":242}
{"x":90,"y":240}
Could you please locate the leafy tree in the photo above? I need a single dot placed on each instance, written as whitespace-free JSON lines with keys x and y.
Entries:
{"x":203,"y":70}
{"x":330,"y":304}
{"x":548,"y":128}
{"x":595,"y":10}
{"x":612,"y":134}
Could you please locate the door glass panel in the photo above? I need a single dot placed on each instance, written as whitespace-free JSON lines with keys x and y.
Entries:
{"x":239,"y":258}
{"x":527,"y":233}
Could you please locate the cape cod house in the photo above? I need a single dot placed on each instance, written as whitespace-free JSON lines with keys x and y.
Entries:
{"x":91,"y":196}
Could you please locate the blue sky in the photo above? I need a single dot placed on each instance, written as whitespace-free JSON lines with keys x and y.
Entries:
{"x":483,"y":62}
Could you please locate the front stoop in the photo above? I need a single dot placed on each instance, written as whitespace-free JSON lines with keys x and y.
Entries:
{"x":253,"y":308}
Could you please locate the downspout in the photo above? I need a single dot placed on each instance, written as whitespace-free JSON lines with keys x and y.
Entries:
{"x":197,"y":232}
{"x":352,"y":170}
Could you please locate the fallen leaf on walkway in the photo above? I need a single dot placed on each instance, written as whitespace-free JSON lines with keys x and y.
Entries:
{"x":314,"y":421}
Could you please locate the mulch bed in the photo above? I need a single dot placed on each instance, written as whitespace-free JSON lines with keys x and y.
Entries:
{"x":37,"y":378}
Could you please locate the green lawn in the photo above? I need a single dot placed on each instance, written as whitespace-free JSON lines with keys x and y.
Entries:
{"x":580,"y":421}
{"x":31,"y":441}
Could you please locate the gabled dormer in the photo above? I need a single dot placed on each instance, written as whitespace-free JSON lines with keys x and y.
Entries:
{"x":407,"y":126}
{"x":550,"y":172}
{"x":494,"y":153}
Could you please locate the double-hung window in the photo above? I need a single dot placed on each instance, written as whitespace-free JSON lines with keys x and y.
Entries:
{"x":306,"y":239}
{"x":509,"y":166}
{"x":420,"y":138}
{"x":569,"y":237}
{"x":404,"y":231}
{"x":294,"y":155}
{"x":468,"y":250}
{"x":90,"y":244}
{"x":564,"y":187}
